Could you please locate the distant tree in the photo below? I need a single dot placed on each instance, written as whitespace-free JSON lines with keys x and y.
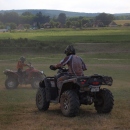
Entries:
{"x":27,"y":13}
{"x":27,"y":26}
{"x":122,"y":17}
{"x":57,"y":24}
{"x":73,"y":19}
{"x":54,"y":19}
{"x":52,"y":23}
{"x":68,"y":24}
{"x":46,"y":19}
{"x":38,"y":25}
{"x":106,"y":19}
{"x":62,"y":18}
{"x":85,"y":21}
{"x":73,"y":23}
{"x":1,"y":25}
{"x":12,"y":26}
{"x":26,"y":19}
{"x":1,"y":17}
{"x":127,"y":17}
{"x":11,"y":17}
{"x":81,"y":21}
{"x":80,"y":24}
{"x":39,"y":17}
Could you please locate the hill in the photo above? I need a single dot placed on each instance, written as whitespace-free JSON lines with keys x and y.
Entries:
{"x":52,"y":13}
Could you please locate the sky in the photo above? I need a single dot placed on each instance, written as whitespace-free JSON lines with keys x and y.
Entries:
{"x":87,"y":6}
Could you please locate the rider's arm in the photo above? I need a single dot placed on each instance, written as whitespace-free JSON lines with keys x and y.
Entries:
{"x":25,"y":64}
{"x":18,"y":65}
{"x":84,"y":67}
{"x":64,"y":61}
{"x":21,"y":65}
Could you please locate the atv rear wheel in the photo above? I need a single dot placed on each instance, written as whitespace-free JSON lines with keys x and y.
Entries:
{"x":41,"y":101}
{"x":69,"y":103}
{"x":11,"y":83}
{"x":105,"y":101}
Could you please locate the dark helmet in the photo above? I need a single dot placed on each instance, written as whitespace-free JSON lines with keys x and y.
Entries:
{"x":69,"y":50}
{"x":22,"y":59}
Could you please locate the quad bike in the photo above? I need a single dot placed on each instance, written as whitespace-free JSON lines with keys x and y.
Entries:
{"x":75,"y":91}
{"x":29,"y":76}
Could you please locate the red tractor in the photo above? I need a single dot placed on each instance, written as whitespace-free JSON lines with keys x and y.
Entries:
{"x":29,"y":76}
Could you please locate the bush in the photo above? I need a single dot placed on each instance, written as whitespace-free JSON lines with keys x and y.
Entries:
{"x":26,"y":45}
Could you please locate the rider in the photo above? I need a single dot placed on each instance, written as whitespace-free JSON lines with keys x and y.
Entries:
{"x":20,"y":66}
{"x":76,"y":66}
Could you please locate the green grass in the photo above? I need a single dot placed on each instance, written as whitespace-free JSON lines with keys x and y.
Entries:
{"x":85,"y":35}
{"x":121,"y":22}
{"x":18,"y":109}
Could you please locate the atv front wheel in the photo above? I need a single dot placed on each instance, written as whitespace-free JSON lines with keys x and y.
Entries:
{"x":69,"y":103}
{"x":11,"y":83}
{"x":41,"y":101}
{"x":35,"y":83}
{"x":105,"y":101}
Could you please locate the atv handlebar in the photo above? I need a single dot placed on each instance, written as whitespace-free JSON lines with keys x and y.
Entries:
{"x":52,"y":67}
{"x":30,"y":65}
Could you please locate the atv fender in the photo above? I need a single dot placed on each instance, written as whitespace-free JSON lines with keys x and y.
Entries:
{"x":46,"y":84}
{"x":11,"y":74}
{"x":68,"y":85}
{"x":73,"y":80}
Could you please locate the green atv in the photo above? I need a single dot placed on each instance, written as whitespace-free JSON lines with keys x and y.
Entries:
{"x":75,"y":91}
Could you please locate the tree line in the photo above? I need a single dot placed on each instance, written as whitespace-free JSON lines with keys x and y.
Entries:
{"x":39,"y":20}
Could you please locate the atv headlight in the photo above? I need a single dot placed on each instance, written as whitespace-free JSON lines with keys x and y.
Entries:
{"x":5,"y":71}
{"x":42,"y":72}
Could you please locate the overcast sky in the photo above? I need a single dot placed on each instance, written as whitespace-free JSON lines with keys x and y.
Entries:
{"x":87,"y":6}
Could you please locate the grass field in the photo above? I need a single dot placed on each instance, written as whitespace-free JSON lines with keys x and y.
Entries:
{"x":96,"y":35}
{"x":121,"y":22}
{"x":18,"y":110}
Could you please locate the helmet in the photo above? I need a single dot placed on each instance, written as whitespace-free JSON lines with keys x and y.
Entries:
{"x":22,"y":59}
{"x":69,"y":50}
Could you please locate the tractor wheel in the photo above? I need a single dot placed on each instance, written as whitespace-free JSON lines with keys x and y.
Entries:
{"x":41,"y":101}
{"x":69,"y":103}
{"x":105,"y":101}
{"x":11,"y":83}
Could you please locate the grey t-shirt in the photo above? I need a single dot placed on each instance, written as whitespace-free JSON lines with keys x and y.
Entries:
{"x":75,"y":64}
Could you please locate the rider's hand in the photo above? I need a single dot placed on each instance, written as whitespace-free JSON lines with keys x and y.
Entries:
{"x":53,"y":67}
{"x":28,"y":65}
